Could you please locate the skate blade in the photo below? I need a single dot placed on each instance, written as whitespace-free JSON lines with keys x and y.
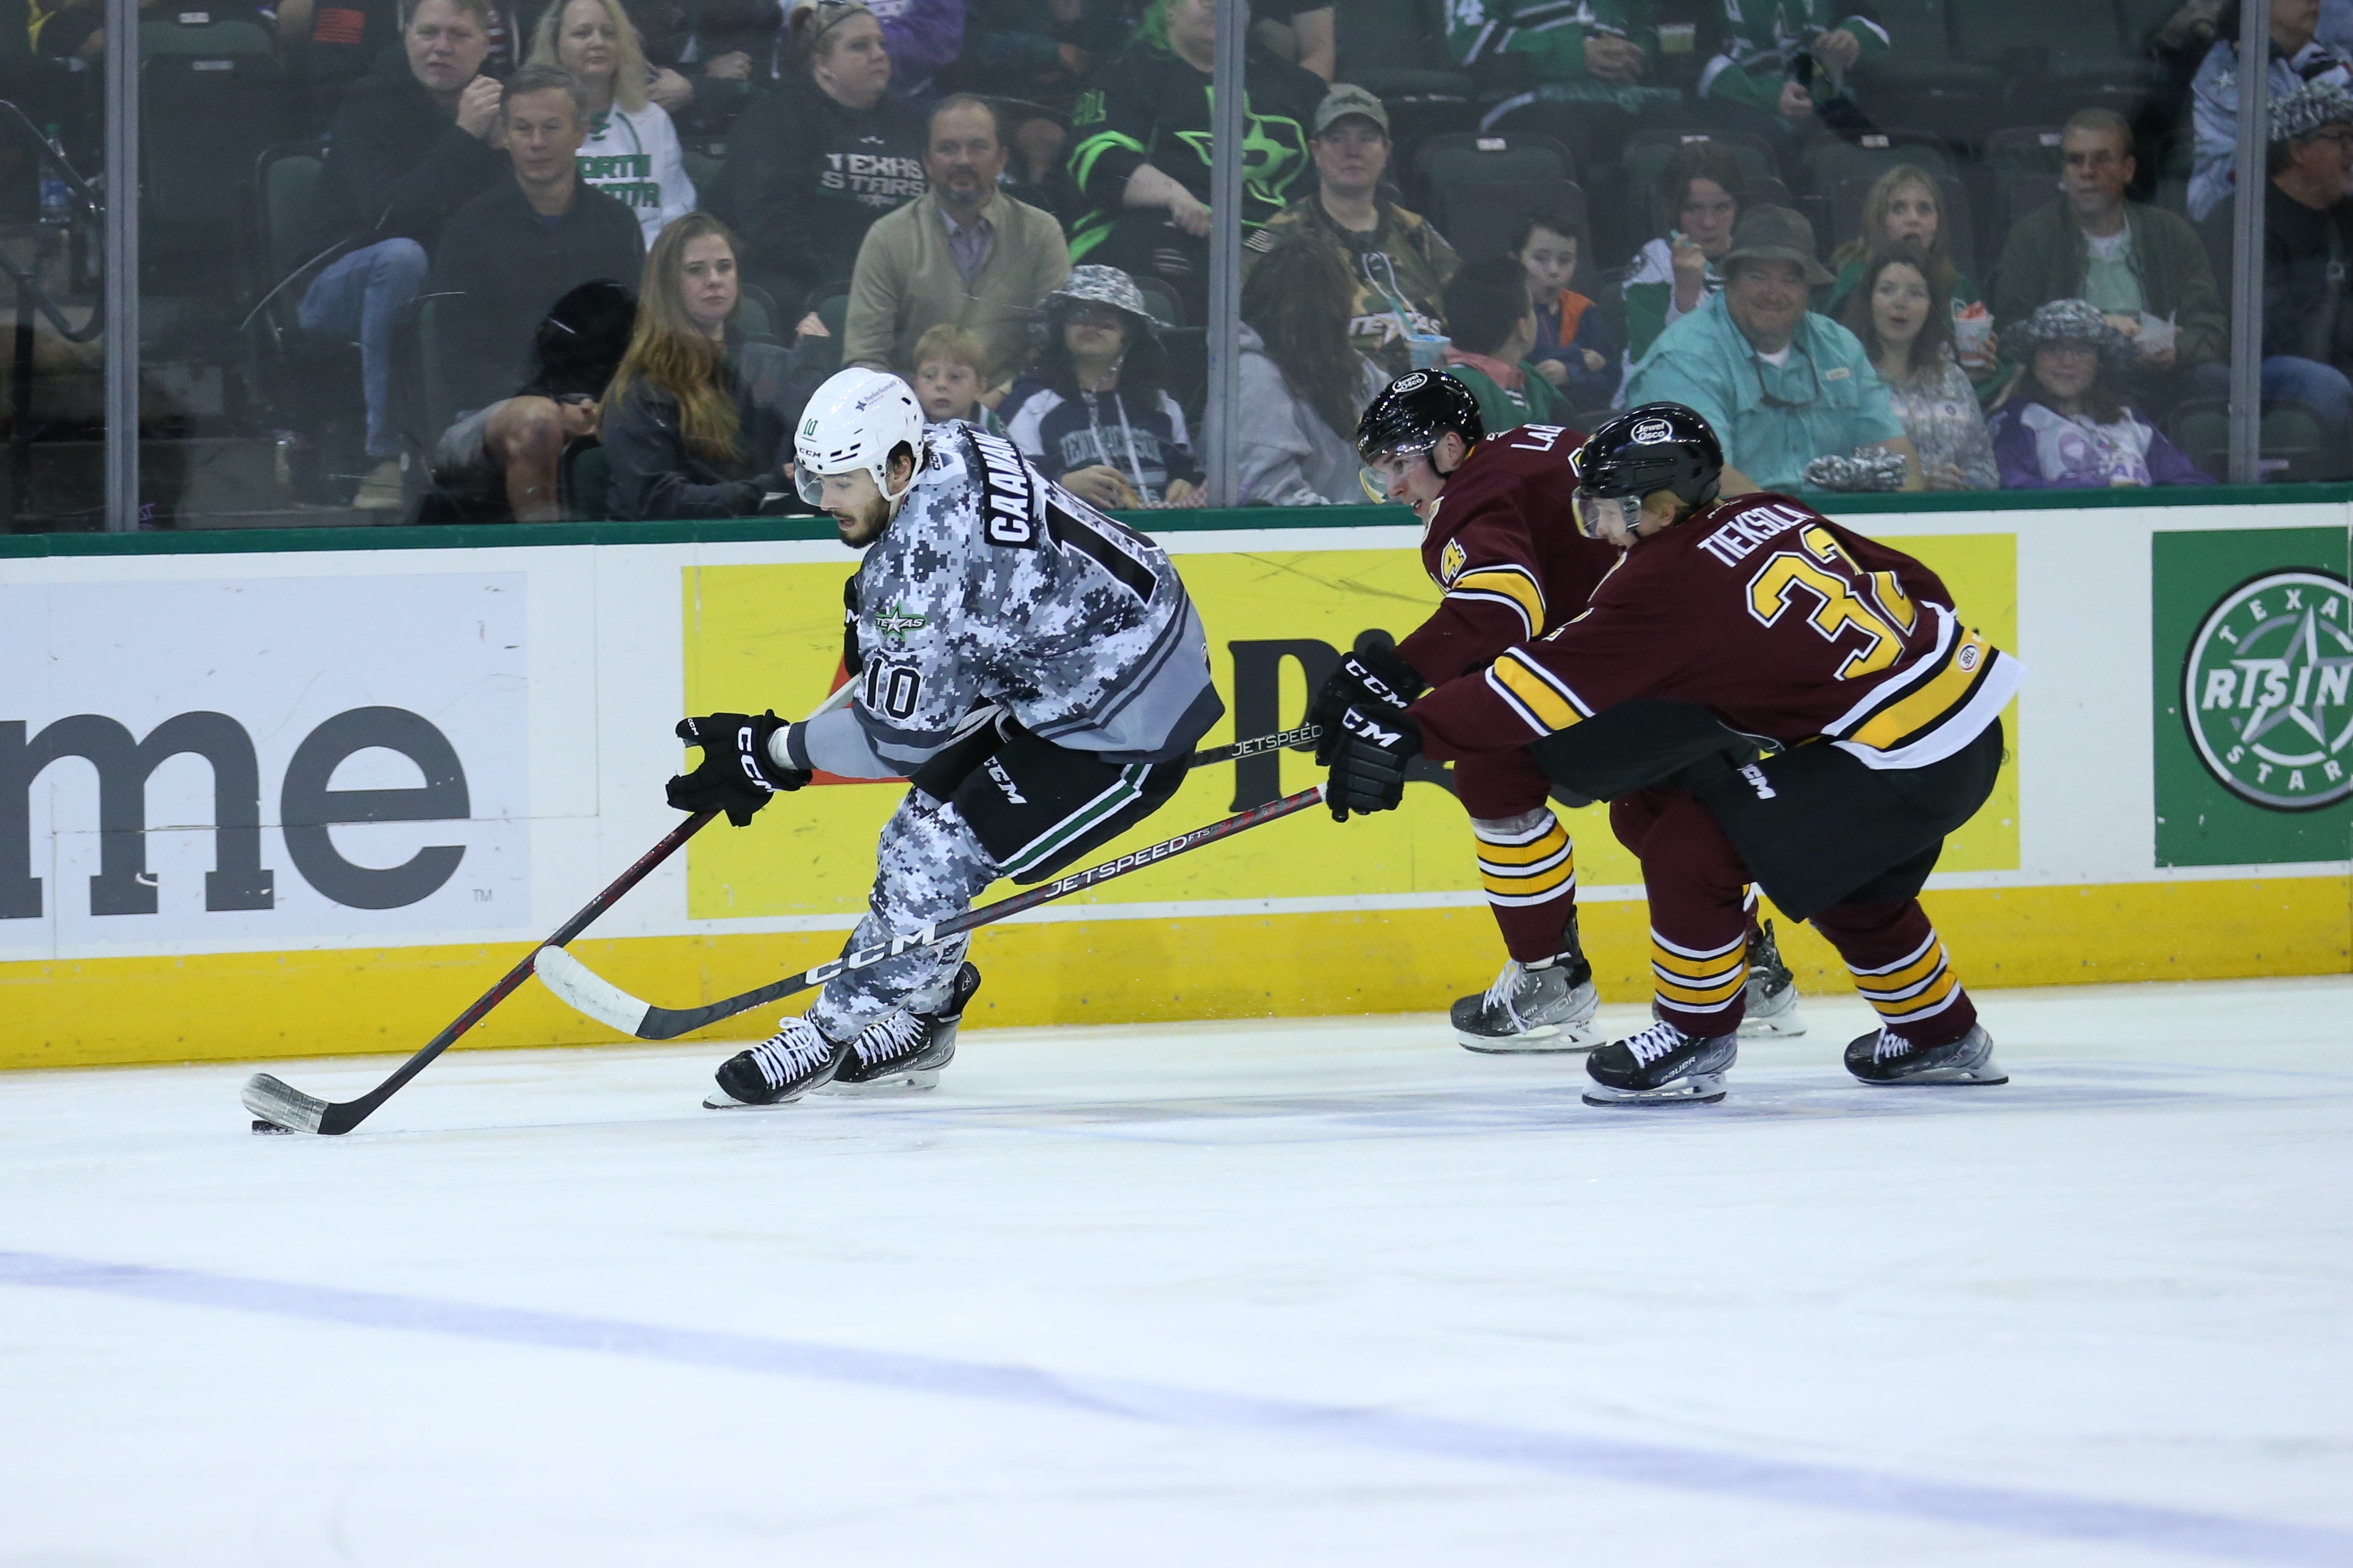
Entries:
{"x":727,"y":1102}
{"x":1983,"y":1076}
{"x":1565,"y":1041}
{"x":1705,"y":1089}
{"x":912,"y":1082}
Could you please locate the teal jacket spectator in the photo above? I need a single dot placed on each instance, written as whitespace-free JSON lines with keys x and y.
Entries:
{"x":1773,"y":420}
{"x":1780,"y":384}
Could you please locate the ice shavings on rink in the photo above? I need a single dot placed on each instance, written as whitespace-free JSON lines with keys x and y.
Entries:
{"x":1335,"y":1291}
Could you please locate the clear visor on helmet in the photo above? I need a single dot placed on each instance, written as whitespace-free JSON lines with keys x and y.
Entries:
{"x":1605,"y":517}
{"x":1383,"y":471}
{"x":811,"y":484}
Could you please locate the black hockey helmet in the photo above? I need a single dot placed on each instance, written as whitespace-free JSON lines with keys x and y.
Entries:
{"x":1413,"y":411}
{"x":1658,"y":446}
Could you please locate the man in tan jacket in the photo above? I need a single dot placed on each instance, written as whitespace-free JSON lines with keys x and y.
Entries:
{"x":964,"y":253}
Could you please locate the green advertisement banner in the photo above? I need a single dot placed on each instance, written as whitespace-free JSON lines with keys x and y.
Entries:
{"x":2252,"y":654}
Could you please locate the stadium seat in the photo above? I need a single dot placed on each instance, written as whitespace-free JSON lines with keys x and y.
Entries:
{"x":2054,"y":58}
{"x":169,"y":35}
{"x":1468,"y":176}
{"x":1647,"y":152}
{"x":1162,"y":302}
{"x":1482,"y":228}
{"x":1830,"y":161}
{"x":205,"y":121}
{"x":1396,"y":50}
{"x":583,"y":477}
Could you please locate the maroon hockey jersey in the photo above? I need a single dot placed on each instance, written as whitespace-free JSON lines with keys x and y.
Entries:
{"x":1504,"y":546}
{"x":1783,"y":623}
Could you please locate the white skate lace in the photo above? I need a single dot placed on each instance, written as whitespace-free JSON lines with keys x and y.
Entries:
{"x":1499,"y":995}
{"x":896,"y":1036}
{"x":795,"y":1049}
{"x":1654,"y":1042}
{"x":1889,"y":1046}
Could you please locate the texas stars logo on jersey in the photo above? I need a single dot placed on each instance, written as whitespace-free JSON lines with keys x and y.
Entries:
{"x":2265,"y":690}
{"x":894,"y":623}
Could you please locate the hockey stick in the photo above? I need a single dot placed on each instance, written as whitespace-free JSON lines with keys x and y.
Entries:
{"x":280,"y":1107}
{"x":583,"y":989}
{"x":1306,"y":734}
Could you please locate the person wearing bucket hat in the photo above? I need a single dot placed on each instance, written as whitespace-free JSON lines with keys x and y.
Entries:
{"x":1094,"y":410}
{"x":1399,"y":264}
{"x":1780,"y":384}
{"x":2307,"y":236}
{"x":2064,"y":424}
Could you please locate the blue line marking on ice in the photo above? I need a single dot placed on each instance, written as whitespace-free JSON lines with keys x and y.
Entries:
{"x":1713,"y":1473}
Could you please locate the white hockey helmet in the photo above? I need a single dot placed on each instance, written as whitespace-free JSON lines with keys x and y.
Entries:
{"x":857,"y":418}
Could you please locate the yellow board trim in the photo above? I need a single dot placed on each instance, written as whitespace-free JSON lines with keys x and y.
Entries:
{"x":353,"y":1001}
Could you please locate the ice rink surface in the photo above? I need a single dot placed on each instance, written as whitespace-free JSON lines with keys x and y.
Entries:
{"x":1336,"y":1292}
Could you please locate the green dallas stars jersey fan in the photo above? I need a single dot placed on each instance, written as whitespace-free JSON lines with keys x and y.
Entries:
{"x":1149,"y":106}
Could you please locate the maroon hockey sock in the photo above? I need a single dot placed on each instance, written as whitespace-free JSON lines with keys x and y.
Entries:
{"x":1699,"y":919}
{"x":1900,"y":966}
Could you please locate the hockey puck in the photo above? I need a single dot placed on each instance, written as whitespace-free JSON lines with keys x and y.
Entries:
{"x":261,"y":1126}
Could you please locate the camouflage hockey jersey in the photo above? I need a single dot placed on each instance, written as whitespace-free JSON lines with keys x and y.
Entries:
{"x":995,"y":586}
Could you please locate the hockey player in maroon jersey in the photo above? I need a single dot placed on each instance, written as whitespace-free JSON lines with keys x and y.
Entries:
{"x":1851,"y":655}
{"x":1499,"y":540}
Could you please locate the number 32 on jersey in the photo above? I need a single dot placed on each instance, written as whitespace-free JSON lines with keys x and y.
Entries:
{"x":1845,"y":600}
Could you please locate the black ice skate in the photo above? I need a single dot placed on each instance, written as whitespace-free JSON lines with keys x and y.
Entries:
{"x":1772,"y":990}
{"x":1532,"y":1007}
{"x":907,"y":1050}
{"x":1887,"y":1058}
{"x":1661,"y":1066}
{"x":781,"y":1068}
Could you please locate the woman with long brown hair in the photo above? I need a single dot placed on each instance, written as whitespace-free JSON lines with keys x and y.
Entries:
{"x":697,"y":422}
{"x":1303,"y":382}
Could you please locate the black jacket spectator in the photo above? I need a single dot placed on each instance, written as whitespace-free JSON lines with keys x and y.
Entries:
{"x":805,"y":177}
{"x":2307,"y":299}
{"x":397,"y":165}
{"x":511,"y":265}
{"x":657,"y":474}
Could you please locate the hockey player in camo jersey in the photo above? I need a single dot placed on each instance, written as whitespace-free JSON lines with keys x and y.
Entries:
{"x":1034,"y":669}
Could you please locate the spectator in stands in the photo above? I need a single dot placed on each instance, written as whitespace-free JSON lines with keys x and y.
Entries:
{"x":963,"y":254}
{"x":1780,"y":384}
{"x":1032,"y":56}
{"x":1699,"y":199}
{"x":723,"y":51}
{"x":1399,"y":263}
{"x":2143,"y":266}
{"x":1314,"y":32}
{"x":1576,"y":349}
{"x":2065,"y":424}
{"x":632,"y":152}
{"x":2296,"y":58}
{"x":1141,"y":161}
{"x":411,"y":145}
{"x":1494,"y":329}
{"x":2307,"y":248}
{"x":697,"y":421}
{"x":813,"y":163}
{"x":512,"y":252}
{"x":1092,"y":410}
{"x":1785,"y":68}
{"x":1582,"y":66}
{"x":1303,"y":384}
{"x":1904,"y":208}
{"x":1905,"y":324}
{"x":923,"y":37}
{"x":953,"y":372}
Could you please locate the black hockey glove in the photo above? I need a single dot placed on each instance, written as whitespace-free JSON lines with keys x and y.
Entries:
{"x":1375,"y":678}
{"x":1369,"y":762}
{"x":737,"y":775}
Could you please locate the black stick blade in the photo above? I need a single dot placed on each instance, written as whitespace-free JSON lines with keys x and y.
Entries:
{"x":282,"y":1105}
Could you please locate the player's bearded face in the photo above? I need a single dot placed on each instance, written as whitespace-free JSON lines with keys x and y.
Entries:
{"x":856,"y":506}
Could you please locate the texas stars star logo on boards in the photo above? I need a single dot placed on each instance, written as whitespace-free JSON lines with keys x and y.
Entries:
{"x":2265,"y":690}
